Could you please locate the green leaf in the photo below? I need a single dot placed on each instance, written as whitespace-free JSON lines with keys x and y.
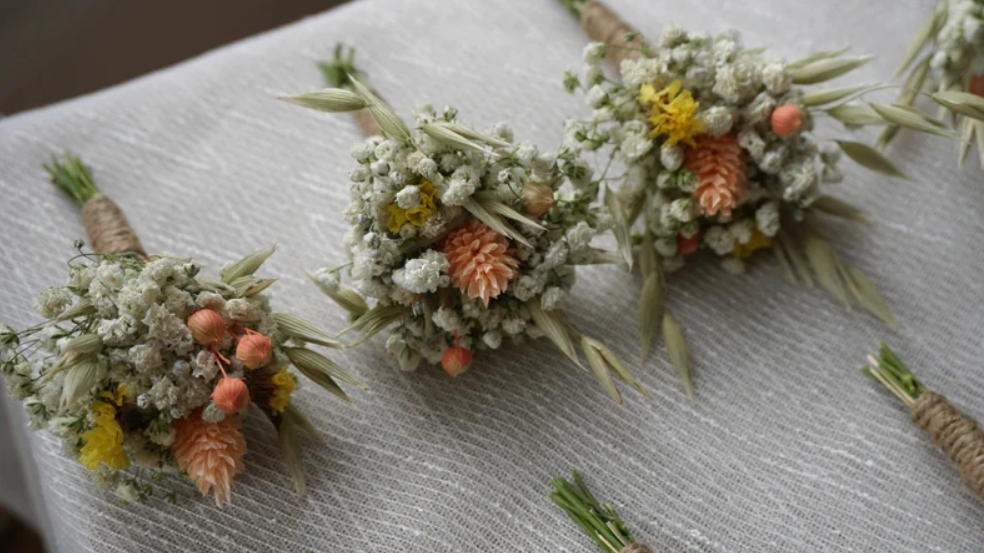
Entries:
{"x":83,"y":344}
{"x":964,"y":103}
{"x":247,"y":265}
{"x":301,"y":329}
{"x":321,"y":370}
{"x":679,"y":353}
{"x":823,"y":97}
{"x":926,"y":32}
{"x":385,"y":117}
{"x":498,"y":207}
{"x":375,"y":320}
{"x":81,"y":308}
{"x":650,"y":311}
{"x":598,"y":366}
{"x":554,"y":327}
{"x":446,"y":135}
{"x":826,"y":69}
{"x":290,"y":448}
{"x":826,"y":267}
{"x":910,"y":118}
{"x":797,"y":258}
{"x":493,"y":221}
{"x":816,"y":56}
{"x":868,"y":296}
{"x":332,"y":100}
{"x":347,"y":298}
{"x":967,"y":132}
{"x":250,"y":285}
{"x":621,"y":370}
{"x":473,"y":134}
{"x":833,"y":206}
{"x":868,"y":157}
{"x":622,"y":232}
{"x":856,"y":116}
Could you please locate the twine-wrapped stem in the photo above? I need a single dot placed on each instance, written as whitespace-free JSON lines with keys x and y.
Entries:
{"x":957,"y":434}
{"x":603,"y":25}
{"x":108,"y":229}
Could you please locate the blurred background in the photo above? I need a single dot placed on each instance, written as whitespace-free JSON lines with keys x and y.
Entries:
{"x":52,"y":50}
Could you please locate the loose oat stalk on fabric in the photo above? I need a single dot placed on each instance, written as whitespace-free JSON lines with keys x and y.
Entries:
{"x":945,"y":61}
{"x":958,"y":435}
{"x":460,"y":239}
{"x":600,"y":522}
{"x":708,"y":145}
{"x":144,"y":367}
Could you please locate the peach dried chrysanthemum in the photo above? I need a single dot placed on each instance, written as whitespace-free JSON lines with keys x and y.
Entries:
{"x":210,"y":453}
{"x":720,"y":169}
{"x":480,"y":262}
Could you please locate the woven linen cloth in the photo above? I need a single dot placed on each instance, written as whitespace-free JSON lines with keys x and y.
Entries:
{"x":786,"y":446}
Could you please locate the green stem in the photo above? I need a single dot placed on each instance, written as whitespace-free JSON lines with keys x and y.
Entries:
{"x":892,"y":373}
{"x":600,"y":523}
{"x":574,"y":6}
{"x":340,"y":71}
{"x":72,"y":177}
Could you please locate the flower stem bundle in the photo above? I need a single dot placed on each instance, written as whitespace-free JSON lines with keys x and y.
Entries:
{"x":461,"y":239}
{"x":600,"y":522}
{"x":145,"y":367}
{"x":716,"y":146}
{"x":957,"y":434}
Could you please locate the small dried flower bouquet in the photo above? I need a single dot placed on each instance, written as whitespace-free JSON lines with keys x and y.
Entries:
{"x":463,"y":240}
{"x":144,"y":367}
{"x":709,"y":143}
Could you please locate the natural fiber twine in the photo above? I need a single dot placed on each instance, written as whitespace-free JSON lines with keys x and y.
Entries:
{"x":109,"y":231}
{"x":956,"y":434}
{"x":603,"y":25}
{"x":636,"y":548}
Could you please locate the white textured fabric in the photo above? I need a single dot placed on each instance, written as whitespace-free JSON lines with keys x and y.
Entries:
{"x":786,"y":447}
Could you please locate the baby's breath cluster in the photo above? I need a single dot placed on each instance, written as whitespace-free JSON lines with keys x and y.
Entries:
{"x":143,"y":367}
{"x":461,"y":240}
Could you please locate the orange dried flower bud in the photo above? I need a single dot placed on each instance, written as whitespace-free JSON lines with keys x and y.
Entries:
{"x":539,"y":198}
{"x":231,"y":395}
{"x":687,"y":246}
{"x":253,"y":350}
{"x":207,"y":327}
{"x":456,"y":360}
{"x":787,"y":120}
{"x":976,"y":85}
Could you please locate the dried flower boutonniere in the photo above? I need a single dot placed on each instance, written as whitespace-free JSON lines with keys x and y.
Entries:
{"x":957,"y":434}
{"x":462,"y":240}
{"x":945,"y":60}
{"x":145,"y":367}
{"x":718,"y":153}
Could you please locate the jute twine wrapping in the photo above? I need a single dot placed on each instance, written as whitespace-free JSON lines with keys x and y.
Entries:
{"x":603,"y":25}
{"x":109,"y":231}
{"x":956,"y":434}
{"x":636,"y":548}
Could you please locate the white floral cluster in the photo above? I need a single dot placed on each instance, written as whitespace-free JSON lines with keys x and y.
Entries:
{"x":959,"y":49}
{"x":135,"y":314}
{"x":406,"y":196}
{"x":736,"y":90}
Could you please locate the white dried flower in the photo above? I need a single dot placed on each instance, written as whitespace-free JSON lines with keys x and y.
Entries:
{"x":671,"y":156}
{"x":719,"y":240}
{"x":424,"y":274}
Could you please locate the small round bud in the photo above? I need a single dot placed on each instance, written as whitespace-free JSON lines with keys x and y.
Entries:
{"x":687,"y":246}
{"x":231,"y":395}
{"x":253,"y":350}
{"x":539,"y":198}
{"x":456,"y":360}
{"x":207,"y":327}
{"x":787,"y":120}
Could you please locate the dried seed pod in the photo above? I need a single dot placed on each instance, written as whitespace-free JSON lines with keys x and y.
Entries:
{"x":787,"y":120}
{"x":253,"y":350}
{"x":207,"y":327}
{"x":231,"y":395}
{"x":456,"y":360}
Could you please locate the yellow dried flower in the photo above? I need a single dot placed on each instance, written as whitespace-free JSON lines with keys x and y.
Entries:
{"x":283,"y":383}
{"x":104,"y":442}
{"x":673,"y":113}
{"x":414,"y":215}
{"x":758,"y":241}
